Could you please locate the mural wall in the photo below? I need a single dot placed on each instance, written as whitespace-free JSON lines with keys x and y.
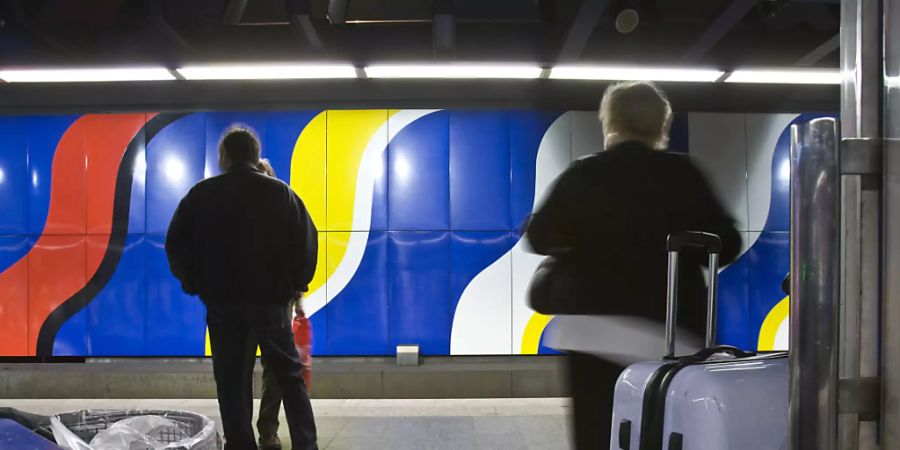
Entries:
{"x":419,"y":214}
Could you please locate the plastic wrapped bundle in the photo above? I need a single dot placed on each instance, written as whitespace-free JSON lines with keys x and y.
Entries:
{"x":135,"y":430}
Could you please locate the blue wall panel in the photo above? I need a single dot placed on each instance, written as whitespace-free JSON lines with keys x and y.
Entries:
{"x":13,"y":176}
{"x":479,"y":170}
{"x":175,"y":162}
{"x":769,"y":263}
{"x":12,"y":249}
{"x":176,"y":322}
{"x":117,"y":316}
{"x":734,"y":307}
{"x":779,"y":206}
{"x":358,"y":316}
{"x":526,"y":130}
{"x":137,"y":208}
{"x":72,"y":339}
{"x":419,"y":274}
{"x":419,"y":175}
{"x":282,"y":131}
{"x":471,"y":252}
{"x":379,"y":219}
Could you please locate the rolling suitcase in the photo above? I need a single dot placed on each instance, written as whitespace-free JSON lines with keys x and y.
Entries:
{"x":719,"y":398}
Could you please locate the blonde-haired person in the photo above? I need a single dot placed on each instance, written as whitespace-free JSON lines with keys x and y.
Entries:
{"x":606,"y":220}
{"x":265,"y":167}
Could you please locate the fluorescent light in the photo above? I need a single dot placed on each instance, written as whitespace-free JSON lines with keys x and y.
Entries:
{"x":785,"y":76}
{"x":61,"y":75}
{"x":521,"y":71}
{"x":267,"y":71}
{"x":634,"y":73}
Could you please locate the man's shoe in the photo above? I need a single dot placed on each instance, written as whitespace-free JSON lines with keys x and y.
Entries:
{"x":269,"y":442}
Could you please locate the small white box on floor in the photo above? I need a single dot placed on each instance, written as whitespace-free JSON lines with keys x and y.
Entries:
{"x":408,"y":355}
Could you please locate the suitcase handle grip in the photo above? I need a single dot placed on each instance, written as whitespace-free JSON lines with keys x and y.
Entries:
{"x":697,"y":239}
{"x":704,"y":354}
{"x":675,"y":243}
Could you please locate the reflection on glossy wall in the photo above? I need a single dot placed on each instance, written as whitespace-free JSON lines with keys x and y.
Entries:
{"x":419,"y":213}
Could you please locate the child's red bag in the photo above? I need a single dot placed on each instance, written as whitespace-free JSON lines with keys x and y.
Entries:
{"x":303,"y":342}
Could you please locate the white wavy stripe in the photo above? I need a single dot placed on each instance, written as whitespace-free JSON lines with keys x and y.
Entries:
{"x":482,"y":323}
{"x":370,"y":167}
{"x":775,"y":125}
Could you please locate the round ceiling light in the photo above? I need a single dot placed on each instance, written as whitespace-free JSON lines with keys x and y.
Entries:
{"x":627,"y":20}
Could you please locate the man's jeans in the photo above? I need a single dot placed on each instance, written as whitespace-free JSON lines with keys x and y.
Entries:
{"x":270,"y":403}
{"x":229,"y":328}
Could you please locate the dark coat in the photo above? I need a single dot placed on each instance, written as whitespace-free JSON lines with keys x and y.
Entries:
{"x":242,"y":237}
{"x":608,"y":216}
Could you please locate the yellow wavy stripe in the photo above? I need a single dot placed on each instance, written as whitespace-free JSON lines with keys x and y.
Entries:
{"x":767,"y":333}
{"x":308,"y":175}
{"x":531,"y":337}
{"x":349,"y":132}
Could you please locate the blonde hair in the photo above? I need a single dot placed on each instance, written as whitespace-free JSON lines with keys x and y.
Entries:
{"x":265,"y":167}
{"x":636,"y":111}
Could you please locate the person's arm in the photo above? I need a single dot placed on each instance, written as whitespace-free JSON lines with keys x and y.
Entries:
{"x":551,"y":228}
{"x":304,"y":244}
{"x":179,"y":246}
{"x":709,"y":215}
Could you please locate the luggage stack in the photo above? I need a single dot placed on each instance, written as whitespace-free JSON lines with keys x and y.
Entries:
{"x":719,"y":398}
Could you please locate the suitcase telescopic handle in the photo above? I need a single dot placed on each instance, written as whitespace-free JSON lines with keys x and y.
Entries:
{"x":675,"y":244}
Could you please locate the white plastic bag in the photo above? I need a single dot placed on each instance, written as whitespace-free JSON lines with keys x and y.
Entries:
{"x":135,"y":430}
{"x":138,"y":433}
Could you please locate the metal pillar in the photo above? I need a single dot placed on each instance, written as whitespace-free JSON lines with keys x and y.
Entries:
{"x":890,"y":312}
{"x":860,"y":218}
{"x":815,"y":280}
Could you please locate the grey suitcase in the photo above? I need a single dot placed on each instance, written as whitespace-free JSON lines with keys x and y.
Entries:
{"x":719,"y":398}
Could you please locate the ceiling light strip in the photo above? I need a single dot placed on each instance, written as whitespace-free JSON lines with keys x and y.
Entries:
{"x":267,"y":71}
{"x":454,"y":71}
{"x":78,"y":75}
{"x":785,"y":76}
{"x":634,"y":73}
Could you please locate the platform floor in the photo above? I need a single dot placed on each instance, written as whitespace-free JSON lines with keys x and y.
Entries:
{"x":391,"y":424}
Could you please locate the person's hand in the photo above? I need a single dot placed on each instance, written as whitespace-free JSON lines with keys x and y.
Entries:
{"x":298,"y":309}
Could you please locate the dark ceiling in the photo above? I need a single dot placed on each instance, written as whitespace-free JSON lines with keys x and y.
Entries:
{"x":720,"y":33}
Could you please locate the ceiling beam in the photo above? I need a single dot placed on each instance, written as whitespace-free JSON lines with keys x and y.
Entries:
{"x":159,"y":25}
{"x":443,"y":28}
{"x":337,"y":12}
{"x":718,"y":29}
{"x":302,"y":26}
{"x":234,"y":10}
{"x":18,"y":15}
{"x":820,"y":52}
{"x":582,"y":27}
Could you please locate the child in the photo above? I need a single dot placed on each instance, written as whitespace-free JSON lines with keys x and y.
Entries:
{"x":270,"y":404}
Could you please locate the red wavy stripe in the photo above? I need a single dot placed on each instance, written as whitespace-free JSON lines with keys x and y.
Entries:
{"x":82,"y":191}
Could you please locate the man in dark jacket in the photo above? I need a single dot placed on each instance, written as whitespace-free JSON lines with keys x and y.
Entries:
{"x":246,"y":245}
{"x":608,"y":217}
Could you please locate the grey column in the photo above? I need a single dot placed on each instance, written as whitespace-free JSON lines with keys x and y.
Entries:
{"x":890,"y":320}
{"x":860,"y":207}
{"x":815,"y":281}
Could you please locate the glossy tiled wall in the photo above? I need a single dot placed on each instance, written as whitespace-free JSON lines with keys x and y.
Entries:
{"x":418,"y":210}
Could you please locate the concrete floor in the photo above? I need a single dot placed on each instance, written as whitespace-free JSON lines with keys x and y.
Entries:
{"x":390,"y":424}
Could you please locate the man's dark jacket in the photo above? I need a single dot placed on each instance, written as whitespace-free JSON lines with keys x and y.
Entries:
{"x":608,"y":216}
{"x":242,"y":237}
